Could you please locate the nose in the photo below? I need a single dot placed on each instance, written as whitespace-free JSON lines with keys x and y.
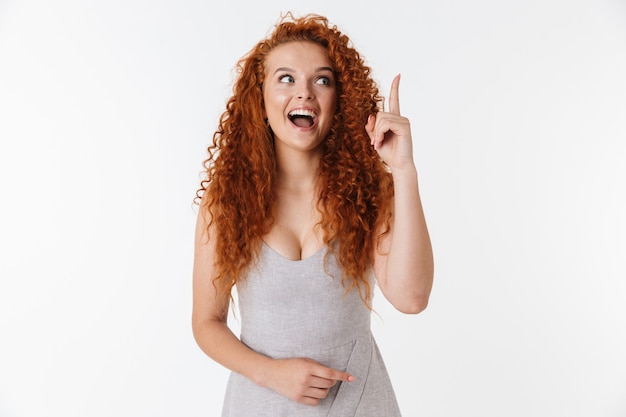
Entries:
{"x":305,"y":92}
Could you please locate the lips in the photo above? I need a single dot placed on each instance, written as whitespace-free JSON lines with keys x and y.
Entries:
{"x":303,"y":118}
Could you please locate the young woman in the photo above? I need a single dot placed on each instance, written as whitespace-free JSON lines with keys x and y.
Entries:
{"x":311,"y":198}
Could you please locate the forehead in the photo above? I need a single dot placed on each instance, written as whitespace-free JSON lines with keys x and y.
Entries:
{"x":297,"y":55}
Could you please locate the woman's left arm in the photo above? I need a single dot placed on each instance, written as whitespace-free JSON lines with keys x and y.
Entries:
{"x":403,"y":259}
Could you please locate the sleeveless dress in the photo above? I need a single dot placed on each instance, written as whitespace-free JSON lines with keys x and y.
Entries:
{"x":295,"y":309}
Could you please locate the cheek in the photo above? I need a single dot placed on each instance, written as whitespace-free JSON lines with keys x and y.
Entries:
{"x":273,"y":102}
{"x":331,"y":102}
{"x":332,"y":110}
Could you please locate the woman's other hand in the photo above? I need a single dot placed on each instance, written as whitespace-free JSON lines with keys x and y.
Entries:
{"x":302,"y":380}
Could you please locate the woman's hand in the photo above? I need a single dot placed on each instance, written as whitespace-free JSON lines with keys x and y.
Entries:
{"x":302,"y":380}
{"x":390,"y":133}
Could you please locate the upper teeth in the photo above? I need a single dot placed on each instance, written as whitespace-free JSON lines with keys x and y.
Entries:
{"x":301,"y":112}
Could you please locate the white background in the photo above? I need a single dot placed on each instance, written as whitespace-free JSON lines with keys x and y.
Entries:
{"x":518,"y":111}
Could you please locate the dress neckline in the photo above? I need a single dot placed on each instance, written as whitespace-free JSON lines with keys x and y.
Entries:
{"x":278,"y":254}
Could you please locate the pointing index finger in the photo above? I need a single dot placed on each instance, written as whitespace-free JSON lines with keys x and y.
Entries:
{"x":341,"y":376}
{"x":330,"y":373}
{"x":394,"y":99}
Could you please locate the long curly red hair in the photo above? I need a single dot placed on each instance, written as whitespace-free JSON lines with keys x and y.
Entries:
{"x":355,"y":186}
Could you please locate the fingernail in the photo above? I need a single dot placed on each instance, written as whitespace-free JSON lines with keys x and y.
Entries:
{"x":351,"y":378}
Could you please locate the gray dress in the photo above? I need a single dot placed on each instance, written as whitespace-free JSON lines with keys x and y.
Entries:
{"x":295,"y":309}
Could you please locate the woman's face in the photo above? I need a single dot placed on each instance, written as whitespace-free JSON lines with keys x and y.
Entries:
{"x":300,"y":95}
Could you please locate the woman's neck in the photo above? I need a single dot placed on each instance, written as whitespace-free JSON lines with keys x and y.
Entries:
{"x":298,"y":169}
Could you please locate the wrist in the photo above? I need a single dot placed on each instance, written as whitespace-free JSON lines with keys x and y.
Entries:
{"x":261,"y":371}
{"x":404,"y":173}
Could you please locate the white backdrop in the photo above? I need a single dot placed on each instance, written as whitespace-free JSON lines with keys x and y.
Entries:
{"x":518,"y":111}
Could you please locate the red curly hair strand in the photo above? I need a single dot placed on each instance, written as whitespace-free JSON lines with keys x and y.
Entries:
{"x":355,"y":186}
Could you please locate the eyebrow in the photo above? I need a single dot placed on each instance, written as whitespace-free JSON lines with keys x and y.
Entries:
{"x":287,"y":69}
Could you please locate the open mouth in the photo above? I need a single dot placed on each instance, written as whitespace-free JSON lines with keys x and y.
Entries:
{"x":302,"y":118}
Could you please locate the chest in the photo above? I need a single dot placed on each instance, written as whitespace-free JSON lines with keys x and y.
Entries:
{"x":295,"y":233}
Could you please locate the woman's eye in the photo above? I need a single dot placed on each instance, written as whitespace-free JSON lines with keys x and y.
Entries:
{"x":286,"y":79}
{"x":323,"y":81}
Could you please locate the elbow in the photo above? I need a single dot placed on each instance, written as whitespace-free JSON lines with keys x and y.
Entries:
{"x":413,"y":305}
{"x":413,"y":299}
